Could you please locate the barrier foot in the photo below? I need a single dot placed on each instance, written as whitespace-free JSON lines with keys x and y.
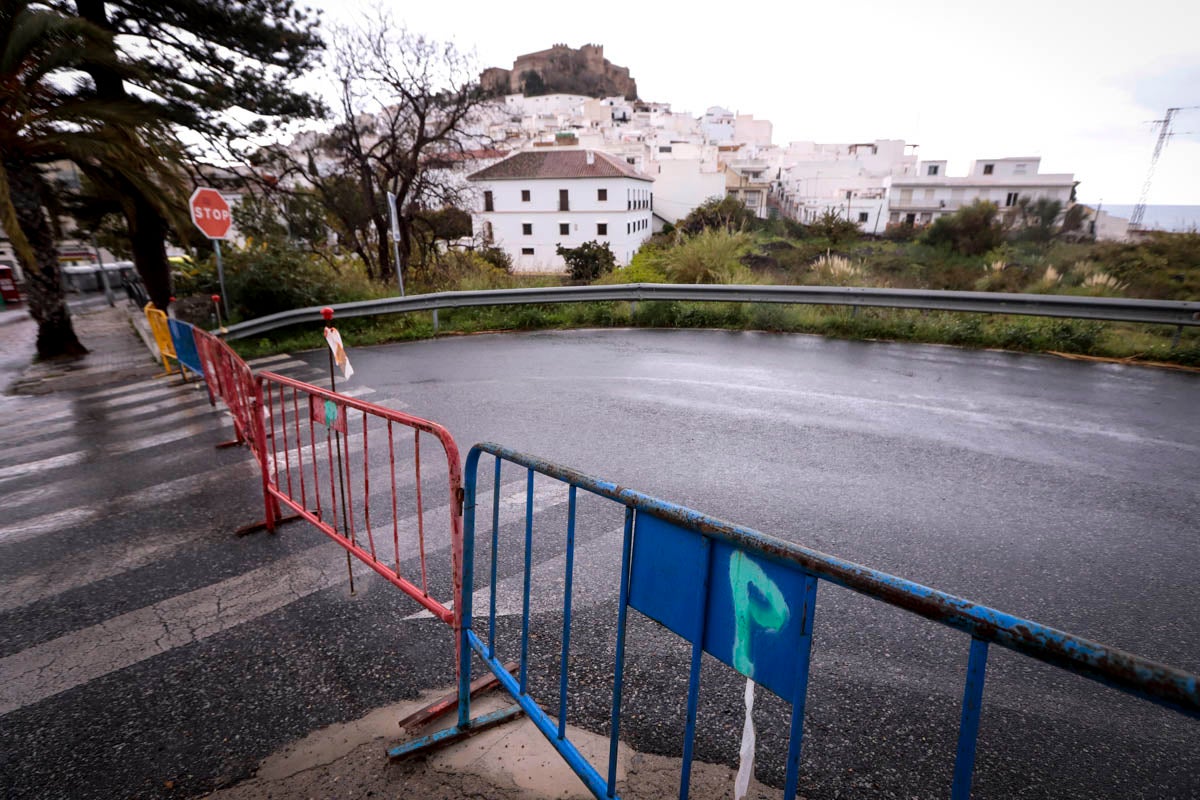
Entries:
{"x":230,"y":443}
{"x":434,"y":741}
{"x":255,"y":527}
{"x":450,"y":702}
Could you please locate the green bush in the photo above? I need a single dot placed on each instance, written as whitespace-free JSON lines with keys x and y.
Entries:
{"x":972,"y":230}
{"x":718,"y":213}
{"x":643,"y":268}
{"x":589,"y":261}
{"x":711,"y":256}
{"x":267,"y":280}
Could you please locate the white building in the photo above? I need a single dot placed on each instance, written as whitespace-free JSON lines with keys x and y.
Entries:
{"x":532,"y":202}
{"x":931,"y":193}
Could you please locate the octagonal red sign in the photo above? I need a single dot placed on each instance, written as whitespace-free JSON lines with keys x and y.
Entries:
{"x":210,"y":213}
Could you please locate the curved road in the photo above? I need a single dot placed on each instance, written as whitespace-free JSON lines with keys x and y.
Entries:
{"x":146,"y":652}
{"x":1060,"y":491}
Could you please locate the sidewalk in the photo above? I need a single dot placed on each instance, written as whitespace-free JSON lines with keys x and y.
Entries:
{"x":510,"y":761}
{"x":116,"y":353}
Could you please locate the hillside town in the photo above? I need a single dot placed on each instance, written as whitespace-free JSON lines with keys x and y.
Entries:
{"x":559,"y":168}
{"x":540,"y":168}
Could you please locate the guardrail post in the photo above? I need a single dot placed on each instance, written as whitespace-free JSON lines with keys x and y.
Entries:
{"x":1175,"y":338}
{"x":435,"y":322}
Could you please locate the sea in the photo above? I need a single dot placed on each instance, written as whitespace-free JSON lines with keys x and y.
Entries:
{"x":1162,"y":218}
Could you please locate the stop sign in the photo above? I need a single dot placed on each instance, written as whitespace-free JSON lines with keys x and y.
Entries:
{"x":210,"y":212}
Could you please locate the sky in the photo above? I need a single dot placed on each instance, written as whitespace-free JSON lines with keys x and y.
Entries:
{"x":1077,"y":83}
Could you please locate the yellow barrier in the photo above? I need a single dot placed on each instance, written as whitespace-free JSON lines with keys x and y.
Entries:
{"x":162,"y":337}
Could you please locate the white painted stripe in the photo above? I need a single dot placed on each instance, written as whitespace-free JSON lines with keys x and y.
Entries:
{"x":160,"y":388}
{"x":58,"y":665}
{"x":123,"y":388}
{"x":101,"y":562}
{"x":288,"y":365}
{"x":108,"y":560}
{"x":31,"y":467}
{"x":268,"y":359}
{"x":156,"y":493}
{"x":141,"y":399}
{"x":116,"y":449}
{"x":72,"y":426}
{"x":357,"y":391}
{"x":171,"y":403}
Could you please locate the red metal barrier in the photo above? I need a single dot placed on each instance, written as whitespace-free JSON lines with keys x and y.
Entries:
{"x":310,"y":434}
{"x":231,"y":379}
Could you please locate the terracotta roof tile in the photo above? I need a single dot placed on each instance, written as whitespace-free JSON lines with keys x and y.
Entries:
{"x":559,"y":164}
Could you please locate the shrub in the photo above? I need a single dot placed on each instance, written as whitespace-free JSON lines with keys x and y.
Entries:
{"x":718,"y":213}
{"x":833,"y":227}
{"x":270,"y":278}
{"x":588,"y":261}
{"x":642,"y":269}
{"x":712,"y":256}
{"x":972,"y":230}
{"x":497,"y":257}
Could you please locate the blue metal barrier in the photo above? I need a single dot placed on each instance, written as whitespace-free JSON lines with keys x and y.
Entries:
{"x":748,"y":600}
{"x":185,"y":345}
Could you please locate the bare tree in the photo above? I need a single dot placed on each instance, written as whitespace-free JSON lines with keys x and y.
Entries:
{"x":408,"y":108}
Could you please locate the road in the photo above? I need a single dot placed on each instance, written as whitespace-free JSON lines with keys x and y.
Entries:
{"x":147,"y":652}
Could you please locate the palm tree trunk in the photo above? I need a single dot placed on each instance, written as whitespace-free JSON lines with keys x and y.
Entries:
{"x":147,"y":236}
{"x":33,"y":241}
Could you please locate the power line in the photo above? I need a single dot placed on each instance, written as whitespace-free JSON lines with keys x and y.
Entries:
{"x":1164,"y":132}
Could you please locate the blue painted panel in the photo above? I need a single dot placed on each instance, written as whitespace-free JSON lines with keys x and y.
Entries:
{"x":185,"y":345}
{"x":755,"y":609}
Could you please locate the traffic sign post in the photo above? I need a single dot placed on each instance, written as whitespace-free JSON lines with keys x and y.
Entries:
{"x":391,"y":199}
{"x":210,"y":213}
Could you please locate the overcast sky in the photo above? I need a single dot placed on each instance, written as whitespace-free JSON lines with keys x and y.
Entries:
{"x":1074,"y":82}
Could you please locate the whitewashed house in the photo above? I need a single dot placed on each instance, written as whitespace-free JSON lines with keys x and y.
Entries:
{"x":531,"y":202}
{"x":921,"y":198}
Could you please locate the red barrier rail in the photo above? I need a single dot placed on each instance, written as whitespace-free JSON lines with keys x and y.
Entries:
{"x":231,"y":379}
{"x":310,"y":434}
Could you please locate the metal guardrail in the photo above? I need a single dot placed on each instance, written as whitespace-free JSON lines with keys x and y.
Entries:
{"x":1110,"y":309}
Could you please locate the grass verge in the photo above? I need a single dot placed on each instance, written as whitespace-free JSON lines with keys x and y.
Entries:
{"x":1017,"y":333}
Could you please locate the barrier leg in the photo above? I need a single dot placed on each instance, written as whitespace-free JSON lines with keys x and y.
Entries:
{"x":968,"y":729}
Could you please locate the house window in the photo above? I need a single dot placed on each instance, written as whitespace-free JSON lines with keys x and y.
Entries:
{"x":632,"y":161}
{"x":909,"y":219}
{"x":487,"y":201}
{"x":524,"y":195}
{"x":628,"y":227}
{"x":488,"y":234}
{"x":863,"y":216}
{"x":602,"y":194}
{"x":664,"y":148}
{"x":1010,"y":200}
{"x":526,"y":251}
{"x":652,"y":201}
{"x":564,"y":229}
{"x":602,"y":229}
{"x":932,"y":169}
{"x":527,"y":228}
{"x":564,"y":204}
{"x":988,"y":169}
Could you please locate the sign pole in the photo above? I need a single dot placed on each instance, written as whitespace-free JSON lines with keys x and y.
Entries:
{"x":221,"y":276}
{"x":391,"y":198}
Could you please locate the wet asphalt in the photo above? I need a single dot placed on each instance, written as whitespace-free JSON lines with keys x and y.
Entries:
{"x":1060,"y":491}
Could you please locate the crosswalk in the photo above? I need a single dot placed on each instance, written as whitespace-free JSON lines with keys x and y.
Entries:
{"x":76,"y":491}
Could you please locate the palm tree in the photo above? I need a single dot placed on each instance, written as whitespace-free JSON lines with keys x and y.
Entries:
{"x":49,"y":113}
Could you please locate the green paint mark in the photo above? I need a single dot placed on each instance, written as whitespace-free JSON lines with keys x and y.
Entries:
{"x":764,"y":607}
{"x":331,"y":413}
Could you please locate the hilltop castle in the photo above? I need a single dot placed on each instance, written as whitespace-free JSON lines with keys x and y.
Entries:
{"x":562,"y":69}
